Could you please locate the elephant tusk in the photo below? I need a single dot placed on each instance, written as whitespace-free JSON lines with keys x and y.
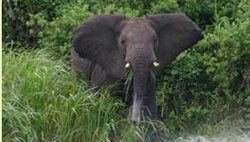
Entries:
{"x":156,"y":64}
{"x":127,"y":65}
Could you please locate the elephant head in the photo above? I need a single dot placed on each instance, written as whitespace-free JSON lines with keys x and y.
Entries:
{"x":145,"y":46}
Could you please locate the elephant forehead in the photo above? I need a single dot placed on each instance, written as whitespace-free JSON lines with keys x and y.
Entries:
{"x":138,"y":24}
{"x":138,"y":27}
{"x":137,"y":21}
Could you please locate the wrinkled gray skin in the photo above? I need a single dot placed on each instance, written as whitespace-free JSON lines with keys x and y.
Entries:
{"x":102,"y":45}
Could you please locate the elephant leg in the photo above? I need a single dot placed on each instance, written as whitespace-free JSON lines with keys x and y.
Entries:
{"x":150,"y":109}
{"x":99,"y":77}
{"x":79,"y":64}
{"x":91,"y":70}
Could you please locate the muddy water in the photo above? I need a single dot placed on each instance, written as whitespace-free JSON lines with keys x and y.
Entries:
{"x":232,"y":137}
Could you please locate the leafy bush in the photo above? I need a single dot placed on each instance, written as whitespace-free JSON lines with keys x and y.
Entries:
{"x":211,"y":78}
{"x":17,"y":13}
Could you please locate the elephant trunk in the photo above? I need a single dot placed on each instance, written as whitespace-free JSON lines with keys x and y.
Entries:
{"x":140,"y":81}
{"x":141,"y":59}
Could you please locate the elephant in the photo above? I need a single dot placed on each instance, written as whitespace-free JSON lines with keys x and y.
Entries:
{"x":105,"y":47}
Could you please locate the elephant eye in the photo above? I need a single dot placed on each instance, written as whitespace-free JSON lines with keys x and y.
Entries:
{"x":122,"y":41}
{"x":122,"y":46}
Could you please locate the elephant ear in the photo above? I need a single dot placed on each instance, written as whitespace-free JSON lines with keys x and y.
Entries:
{"x":95,"y":39}
{"x":176,"y":32}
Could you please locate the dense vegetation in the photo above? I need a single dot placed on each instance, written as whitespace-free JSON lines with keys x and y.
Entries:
{"x":44,"y":101}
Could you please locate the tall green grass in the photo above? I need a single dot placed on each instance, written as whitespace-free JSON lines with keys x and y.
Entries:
{"x":44,"y":101}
